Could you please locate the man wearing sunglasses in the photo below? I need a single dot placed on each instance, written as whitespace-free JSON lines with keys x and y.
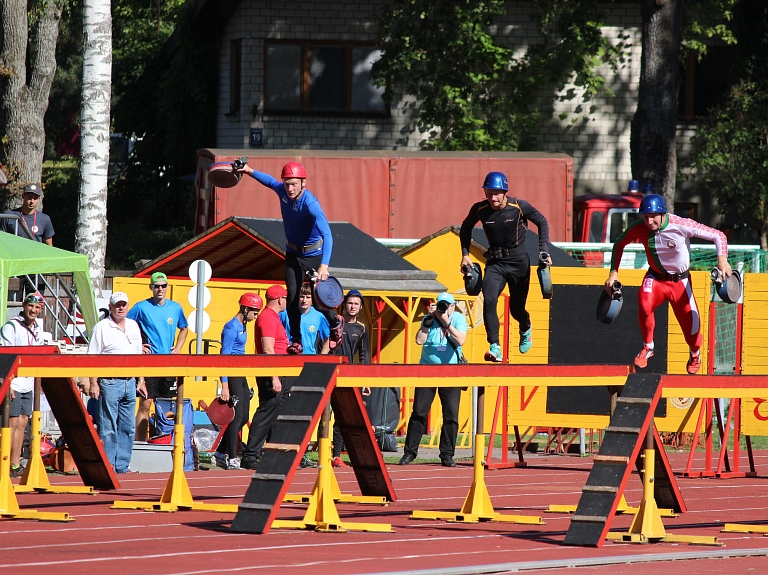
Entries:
{"x":22,"y":330}
{"x":116,"y":334}
{"x":158,"y":318}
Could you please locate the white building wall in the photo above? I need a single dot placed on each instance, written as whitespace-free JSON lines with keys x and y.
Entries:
{"x":595,"y":133}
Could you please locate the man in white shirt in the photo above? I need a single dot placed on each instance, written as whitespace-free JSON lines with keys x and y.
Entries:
{"x":117,"y":334}
{"x":22,"y":330}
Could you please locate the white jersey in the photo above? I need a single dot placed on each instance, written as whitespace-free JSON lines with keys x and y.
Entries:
{"x":669,"y":248}
{"x":16,"y":333}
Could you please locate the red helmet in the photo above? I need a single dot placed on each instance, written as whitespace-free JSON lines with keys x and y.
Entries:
{"x":251,"y":300}
{"x":293,"y":170}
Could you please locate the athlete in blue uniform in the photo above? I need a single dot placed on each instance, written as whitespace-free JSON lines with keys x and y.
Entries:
{"x":308,"y":245}
{"x":233,"y":339}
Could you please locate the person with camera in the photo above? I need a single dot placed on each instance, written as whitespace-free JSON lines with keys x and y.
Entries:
{"x":308,"y":244}
{"x":442,"y":333}
{"x":505,"y":222}
{"x":234,"y":390}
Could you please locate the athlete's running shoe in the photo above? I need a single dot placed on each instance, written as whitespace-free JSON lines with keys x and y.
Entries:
{"x":526,"y":341}
{"x":494,"y":354}
{"x":694,"y":364}
{"x":641,"y":359}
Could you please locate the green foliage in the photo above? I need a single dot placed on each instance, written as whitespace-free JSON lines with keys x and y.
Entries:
{"x":164,"y":91}
{"x":730,"y":150}
{"x":475,"y":93}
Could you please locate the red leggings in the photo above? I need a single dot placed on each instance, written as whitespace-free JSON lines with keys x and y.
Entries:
{"x":679,"y":294}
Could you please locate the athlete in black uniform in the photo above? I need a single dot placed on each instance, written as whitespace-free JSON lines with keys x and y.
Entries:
{"x":354,"y":343}
{"x":505,"y":222}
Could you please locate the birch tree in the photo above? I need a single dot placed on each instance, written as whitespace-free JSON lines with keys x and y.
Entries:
{"x":28,"y":35}
{"x":91,"y":234}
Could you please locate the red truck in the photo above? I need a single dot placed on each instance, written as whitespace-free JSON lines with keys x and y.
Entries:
{"x":601,"y":218}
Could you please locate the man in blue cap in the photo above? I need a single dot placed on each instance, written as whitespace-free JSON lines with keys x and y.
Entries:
{"x":505,"y":222}
{"x":441,"y":335}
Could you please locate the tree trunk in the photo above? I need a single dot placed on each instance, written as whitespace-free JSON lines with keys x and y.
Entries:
{"x":653,"y":137}
{"x":27,"y":67}
{"x":91,"y":234}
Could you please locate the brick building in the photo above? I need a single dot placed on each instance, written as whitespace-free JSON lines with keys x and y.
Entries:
{"x":261,"y":104}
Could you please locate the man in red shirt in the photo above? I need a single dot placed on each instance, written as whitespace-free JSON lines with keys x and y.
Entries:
{"x":270,"y":338}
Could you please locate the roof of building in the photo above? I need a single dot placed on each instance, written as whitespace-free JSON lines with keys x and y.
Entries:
{"x":254,"y":248}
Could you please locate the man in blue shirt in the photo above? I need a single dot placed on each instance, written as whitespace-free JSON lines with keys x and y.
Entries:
{"x":442,"y":333}
{"x":308,"y":245}
{"x":314,"y":327}
{"x":158,"y":318}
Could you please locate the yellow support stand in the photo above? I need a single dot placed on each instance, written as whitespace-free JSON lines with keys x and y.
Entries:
{"x":338,"y":496}
{"x":623,"y":508}
{"x":647,"y":526}
{"x":9,"y":507}
{"x":35,"y":477}
{"x":477,"y":504}
{"x":176,"y":495}
{"x":322,"y":514}
{"x":744,"y":528}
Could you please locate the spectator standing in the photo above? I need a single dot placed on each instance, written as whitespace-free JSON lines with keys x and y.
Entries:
{"x":22,"y":330}
{"x":158,"y":318}
{"x":315,"y":330}
{"x":37,"y":222}
{"x":235,"y":390}
{"x":269,"y":338}
{"x":354,"y":345}
{"x":442,"y":333}
{"x":308,"y":245}
{"x":117,"y":334}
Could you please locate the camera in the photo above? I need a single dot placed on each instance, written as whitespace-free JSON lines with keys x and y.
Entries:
{"x":442,"y":306}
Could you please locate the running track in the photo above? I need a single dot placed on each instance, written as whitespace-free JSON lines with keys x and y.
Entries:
{"x":116,"y":542}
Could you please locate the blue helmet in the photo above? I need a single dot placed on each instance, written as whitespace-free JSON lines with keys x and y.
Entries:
{"x":495,"y":181}
{"x":653,"y":204}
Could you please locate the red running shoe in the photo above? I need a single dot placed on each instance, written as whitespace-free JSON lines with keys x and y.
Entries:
{"x":338,"y":462}
{"x":641,"y":360}
{"x":295,"y":349}
{"x":694,"y":364}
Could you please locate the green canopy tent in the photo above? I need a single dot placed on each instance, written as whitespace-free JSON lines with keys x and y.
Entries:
{"x":20,"y":256}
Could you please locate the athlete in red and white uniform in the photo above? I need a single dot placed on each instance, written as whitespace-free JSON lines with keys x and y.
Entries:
{"x":666,"y":238}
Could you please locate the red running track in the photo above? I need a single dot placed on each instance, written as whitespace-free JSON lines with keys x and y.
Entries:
{"x":116,"y":542}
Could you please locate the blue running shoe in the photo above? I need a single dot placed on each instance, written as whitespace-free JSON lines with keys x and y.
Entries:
{"x":526,"y":340}
{"x":494,"y":354}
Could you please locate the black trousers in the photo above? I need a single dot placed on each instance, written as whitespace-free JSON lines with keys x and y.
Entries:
{"x":265,"y":416}
{"x":296,"y":268}
{"x":230,"y":443}
{"x":516,"y":273}
{"x":417,"y":424}
{"x":338,"y":441}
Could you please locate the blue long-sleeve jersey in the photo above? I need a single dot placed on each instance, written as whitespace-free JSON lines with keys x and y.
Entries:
{"x":303,"y":219}
{"x":233,"y":339}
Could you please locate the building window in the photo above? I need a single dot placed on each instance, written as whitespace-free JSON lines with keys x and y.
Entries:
{"x":705,"y":82}
{"x":318,"y":77}
{"x":235,"y":71}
